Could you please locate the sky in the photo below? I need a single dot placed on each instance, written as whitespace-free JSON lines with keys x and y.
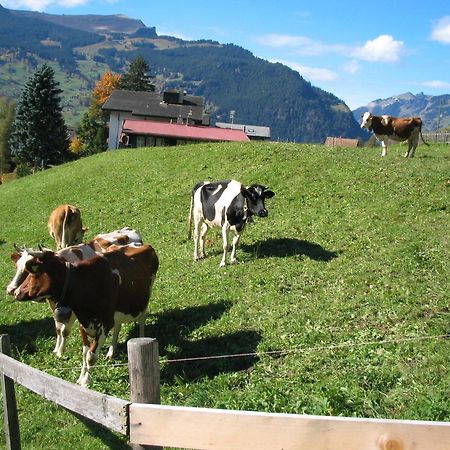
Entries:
{"x":358,"y":50}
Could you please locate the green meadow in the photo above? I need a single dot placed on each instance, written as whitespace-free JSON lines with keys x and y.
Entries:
{"x":339,"y":304}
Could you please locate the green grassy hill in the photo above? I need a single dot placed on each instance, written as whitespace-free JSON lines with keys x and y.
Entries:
{"x":347,"y":279}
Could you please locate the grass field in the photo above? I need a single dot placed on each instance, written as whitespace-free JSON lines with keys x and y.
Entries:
{"x":346,"y":282}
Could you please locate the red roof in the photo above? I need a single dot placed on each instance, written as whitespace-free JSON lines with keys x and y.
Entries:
{"x":175,"y":130}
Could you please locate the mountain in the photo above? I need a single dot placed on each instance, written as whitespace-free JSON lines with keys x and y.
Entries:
{"x":81,"y":48}
{"x":93,"y":23}
{"x":434,"y":110}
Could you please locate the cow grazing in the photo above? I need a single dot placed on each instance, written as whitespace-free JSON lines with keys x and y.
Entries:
{"x":228,"y":205}
{"x":103,"y":292}
{"x":65,"y":226}
{"x":398,"y":129}
{"x":72,"y":254}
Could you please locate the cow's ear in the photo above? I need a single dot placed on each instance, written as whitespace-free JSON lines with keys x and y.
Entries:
{"x":33,"y":266}
{"x":269,"y":194}
{"x":15,"y":257}
{"x":246,"y":193}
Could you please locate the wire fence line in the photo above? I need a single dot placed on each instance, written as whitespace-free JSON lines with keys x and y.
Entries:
{"x":284,"y":352}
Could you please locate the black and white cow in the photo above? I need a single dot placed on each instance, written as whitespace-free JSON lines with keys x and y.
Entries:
{"x":228,"y":205}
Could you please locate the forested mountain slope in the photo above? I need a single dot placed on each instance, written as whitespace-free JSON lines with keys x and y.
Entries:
{"x":229,"y":77}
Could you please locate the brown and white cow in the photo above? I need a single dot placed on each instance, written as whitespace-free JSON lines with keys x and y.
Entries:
{"x":103,"y":292}
{"x":75,"y":253}
{"x":65,"y":226}
{"x":394,"y":128}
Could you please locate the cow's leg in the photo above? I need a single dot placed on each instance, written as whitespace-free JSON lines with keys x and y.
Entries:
{"x":62,"y":333}
{"x":92,"y":355}
{"x":58,"y":327}
{"x":236,"y":237}
{"x":203,"y":231}
{"x":412,"y":145}
{"x":115,"y":337}
{"x":224,"y":245}
{"x":84,"y":368}
{"x":384,"y":146}
{"x":198,"y":232}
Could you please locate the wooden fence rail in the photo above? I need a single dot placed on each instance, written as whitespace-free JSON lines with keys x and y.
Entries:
{"x":203,"y":428}
{"x":104,"y":409}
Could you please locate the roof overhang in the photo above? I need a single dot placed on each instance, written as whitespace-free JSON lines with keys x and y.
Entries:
{"x":179,"y":131}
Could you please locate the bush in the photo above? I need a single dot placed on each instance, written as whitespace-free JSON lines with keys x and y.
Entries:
{"x":23,"y":169}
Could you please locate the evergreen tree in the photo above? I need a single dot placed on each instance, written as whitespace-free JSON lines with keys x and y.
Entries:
{"x":7,"y":109}
{"x":137,"y":77}
{"x":39,"y":134}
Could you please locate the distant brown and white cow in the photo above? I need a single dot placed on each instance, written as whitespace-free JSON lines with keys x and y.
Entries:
{"x":75,"y":253}
{"x":103,"y":292}
{"x":65,"y":226}
{"x":395,"y":128}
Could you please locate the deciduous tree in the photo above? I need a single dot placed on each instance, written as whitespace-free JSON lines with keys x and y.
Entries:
{"x":93,"y":130}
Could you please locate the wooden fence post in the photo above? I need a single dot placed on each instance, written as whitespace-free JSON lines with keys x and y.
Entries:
{"x":11,"y":419}
{"x":143,"y":368}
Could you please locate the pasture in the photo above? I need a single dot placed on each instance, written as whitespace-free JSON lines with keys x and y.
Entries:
{"x":339,"y":301}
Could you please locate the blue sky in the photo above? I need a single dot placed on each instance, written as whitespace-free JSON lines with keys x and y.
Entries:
{"x":360,"y":51}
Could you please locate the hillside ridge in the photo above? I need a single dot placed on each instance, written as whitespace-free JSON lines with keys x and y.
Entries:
{"x":227,"y":76}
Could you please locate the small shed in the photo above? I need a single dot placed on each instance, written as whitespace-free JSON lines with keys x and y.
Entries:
{"x":332,"y":141}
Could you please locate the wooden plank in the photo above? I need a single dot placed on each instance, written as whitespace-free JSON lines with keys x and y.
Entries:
{"x":108,"y":411}
{"x":201,"y":428}
{"x":11,"y":418}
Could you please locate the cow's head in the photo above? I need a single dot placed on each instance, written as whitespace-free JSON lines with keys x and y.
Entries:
{"x":366,"y":121}
{"x":19,"y":258}
{"x":38,"y":284}
{"x":78,"y":238}
{"x":255,"y":195}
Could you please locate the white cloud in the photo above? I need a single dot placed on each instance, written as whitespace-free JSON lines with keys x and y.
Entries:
{"x":436,"y":84}
{"x":300,"y":45}
{"x":384,"y":48}
{"x":40,"y":5}
{"x":441,"y":31}
{"x":352,"y":67}
{"x":316,"y":74}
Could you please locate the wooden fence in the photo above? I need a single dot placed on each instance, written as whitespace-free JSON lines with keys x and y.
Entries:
{"x":436,"y":136}
{"x":150,"y":425}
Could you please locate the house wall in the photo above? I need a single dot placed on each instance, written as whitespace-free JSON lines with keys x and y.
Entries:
{"x":116,"y":119}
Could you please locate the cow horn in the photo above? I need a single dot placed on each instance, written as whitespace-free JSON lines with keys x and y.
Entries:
{"x":17,"y":249}
{"x":35,"y":253}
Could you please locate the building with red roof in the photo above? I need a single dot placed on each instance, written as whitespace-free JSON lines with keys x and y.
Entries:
{"x":147,"y":119}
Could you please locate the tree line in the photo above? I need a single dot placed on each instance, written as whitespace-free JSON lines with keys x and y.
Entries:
{"x":33,"y":133}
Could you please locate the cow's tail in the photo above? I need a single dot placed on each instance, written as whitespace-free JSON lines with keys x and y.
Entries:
{"x":190,"y":216}
{"x":63,"y":234}
{"x":423,"y":140}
